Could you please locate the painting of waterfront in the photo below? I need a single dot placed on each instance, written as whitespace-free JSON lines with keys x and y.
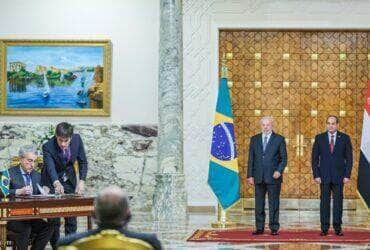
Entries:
{"x":56,"y":77}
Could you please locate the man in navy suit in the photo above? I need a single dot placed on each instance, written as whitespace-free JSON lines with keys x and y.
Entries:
{"x":24,"y":180}
{"x":112,"y":212}
{"x":331,"y":166}
{"x":267,"y":160}
{"x":60,"y":153}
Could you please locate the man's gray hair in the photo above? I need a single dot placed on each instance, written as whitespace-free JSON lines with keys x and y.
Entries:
{"x":267,"y":118}
{"x":111,"y":207}
{"x":23,"y":150}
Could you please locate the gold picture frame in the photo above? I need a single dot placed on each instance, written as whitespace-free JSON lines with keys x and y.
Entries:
{"x":55,"y":77}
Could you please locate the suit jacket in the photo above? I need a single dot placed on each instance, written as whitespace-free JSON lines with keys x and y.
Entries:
{"x":262,"y":165}
{"x":332,"y":167}
{"x":55,"y":167}
{"x":17,"y":181}
{"x":149,"y":238}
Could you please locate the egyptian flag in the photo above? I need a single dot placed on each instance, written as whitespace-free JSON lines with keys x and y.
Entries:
{"x":223,"y":175}
{"x":363,"y":180}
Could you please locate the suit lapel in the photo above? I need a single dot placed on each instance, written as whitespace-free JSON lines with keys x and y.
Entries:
{"x":259,"y":142}
{"x":337,"y":140}
{"x":34,"y":183}
{"x":326,"y":140}
{"x":20,"y":176}
{"x":73,"y":147}
{"x":60,"y":157}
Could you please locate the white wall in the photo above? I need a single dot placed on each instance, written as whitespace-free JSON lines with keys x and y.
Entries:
{"x":202,"y":19}
{"x":132,"y":26}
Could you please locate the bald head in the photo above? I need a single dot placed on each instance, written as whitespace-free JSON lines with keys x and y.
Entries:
{"x":111,"y":207}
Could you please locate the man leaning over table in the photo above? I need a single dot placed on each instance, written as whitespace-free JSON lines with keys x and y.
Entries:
{"x":59,"y":174}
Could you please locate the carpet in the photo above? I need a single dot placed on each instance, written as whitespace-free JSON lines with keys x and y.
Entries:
{"x":299,"y":235}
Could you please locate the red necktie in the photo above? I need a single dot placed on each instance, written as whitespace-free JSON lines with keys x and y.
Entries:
{"x":332,"y":144}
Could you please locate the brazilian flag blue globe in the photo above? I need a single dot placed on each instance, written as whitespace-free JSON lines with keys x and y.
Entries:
{"x":223,"y":175}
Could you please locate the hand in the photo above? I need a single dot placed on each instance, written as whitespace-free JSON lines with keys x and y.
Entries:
{"x":46,"y":189}
{"x":276,"y":175}
{"x":250,"y":180}
{"x":318,"y":180}
{"x":80,"y":187}
{"x":345,"y":180}
{"x":59,"y":189}
{"x":27,"y":190}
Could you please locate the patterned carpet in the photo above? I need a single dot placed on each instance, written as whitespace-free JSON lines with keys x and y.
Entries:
{"x":301,"y":235}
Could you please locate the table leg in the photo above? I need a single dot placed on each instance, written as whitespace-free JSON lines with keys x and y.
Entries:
{"x":89,"y":224}
{"x":3,"y":234}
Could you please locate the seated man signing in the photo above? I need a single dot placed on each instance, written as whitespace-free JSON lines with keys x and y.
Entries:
{"x":24,"y":180}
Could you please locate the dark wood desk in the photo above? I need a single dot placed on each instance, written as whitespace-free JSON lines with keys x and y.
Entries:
{"x":42,"y":208}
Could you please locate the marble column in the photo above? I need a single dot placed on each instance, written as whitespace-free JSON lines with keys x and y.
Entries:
{"x":169,"y":200}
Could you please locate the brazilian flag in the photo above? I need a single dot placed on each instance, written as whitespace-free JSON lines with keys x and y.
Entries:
{"x":223,"y":175}
{"x":4,"y":184}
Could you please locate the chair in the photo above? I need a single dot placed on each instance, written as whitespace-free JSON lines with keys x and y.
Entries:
{"x":108,"y":239}
{"x":11,"y":236}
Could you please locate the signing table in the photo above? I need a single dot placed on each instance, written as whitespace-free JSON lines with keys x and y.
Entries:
{"x":43,"y":207}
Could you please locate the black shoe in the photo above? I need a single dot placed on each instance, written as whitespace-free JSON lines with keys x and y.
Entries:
{"x":257,"y":232}
{"x":339,"y":232}
{"x":324,"y":233}
{"x":274,"y":232}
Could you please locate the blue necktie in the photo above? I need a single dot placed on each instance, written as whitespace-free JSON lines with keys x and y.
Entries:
{"x":264,"y":143}
{"x":28,"y":179}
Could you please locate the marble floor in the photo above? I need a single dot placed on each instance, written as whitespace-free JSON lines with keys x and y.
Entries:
{"x":173,"y":235}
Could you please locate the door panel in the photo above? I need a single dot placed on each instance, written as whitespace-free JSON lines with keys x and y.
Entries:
{"x":298,"y":77}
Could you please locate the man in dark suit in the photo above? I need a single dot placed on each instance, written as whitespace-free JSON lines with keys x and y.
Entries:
{"x":24,"y":180}
{"x":60,"y":153}
{"x":112,"y":212}
{"x":267,"y":160}
{"x":331,"y":166}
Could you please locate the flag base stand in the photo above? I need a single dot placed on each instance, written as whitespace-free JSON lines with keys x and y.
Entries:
{"x":222,"y":222}
{"x":227,"y":224}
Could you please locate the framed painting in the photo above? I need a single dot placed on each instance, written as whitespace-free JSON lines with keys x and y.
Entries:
{"x":55,"y":77}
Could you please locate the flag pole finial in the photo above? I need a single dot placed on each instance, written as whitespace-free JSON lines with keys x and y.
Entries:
{"x":223,"y":67}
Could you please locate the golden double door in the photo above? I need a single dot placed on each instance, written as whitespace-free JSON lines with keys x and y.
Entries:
{"x":298,"y":77}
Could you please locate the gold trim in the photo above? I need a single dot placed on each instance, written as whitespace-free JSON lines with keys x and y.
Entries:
{"x":257,"y":56}
{"x":342,"y":56}
{"x":314,"y":56}
{"x":342,"y":113}
{"x":314,"y":85}
{"x":110,"y":236}
{"x":342,"y":85}
{"x":286,"y":84}
{"x":257,"y":84}
{"x":286,"y":56}
{"x":230,"y":84}
{"x":52,"y":210}
{"x":229,"y":55}
{"x":105,"y":111}
{"x":257,"y":112}
{"x":285,"y":112}
{"x":368,"y":57}
{"x":313,"y":113}
{"x":224,"y":70}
